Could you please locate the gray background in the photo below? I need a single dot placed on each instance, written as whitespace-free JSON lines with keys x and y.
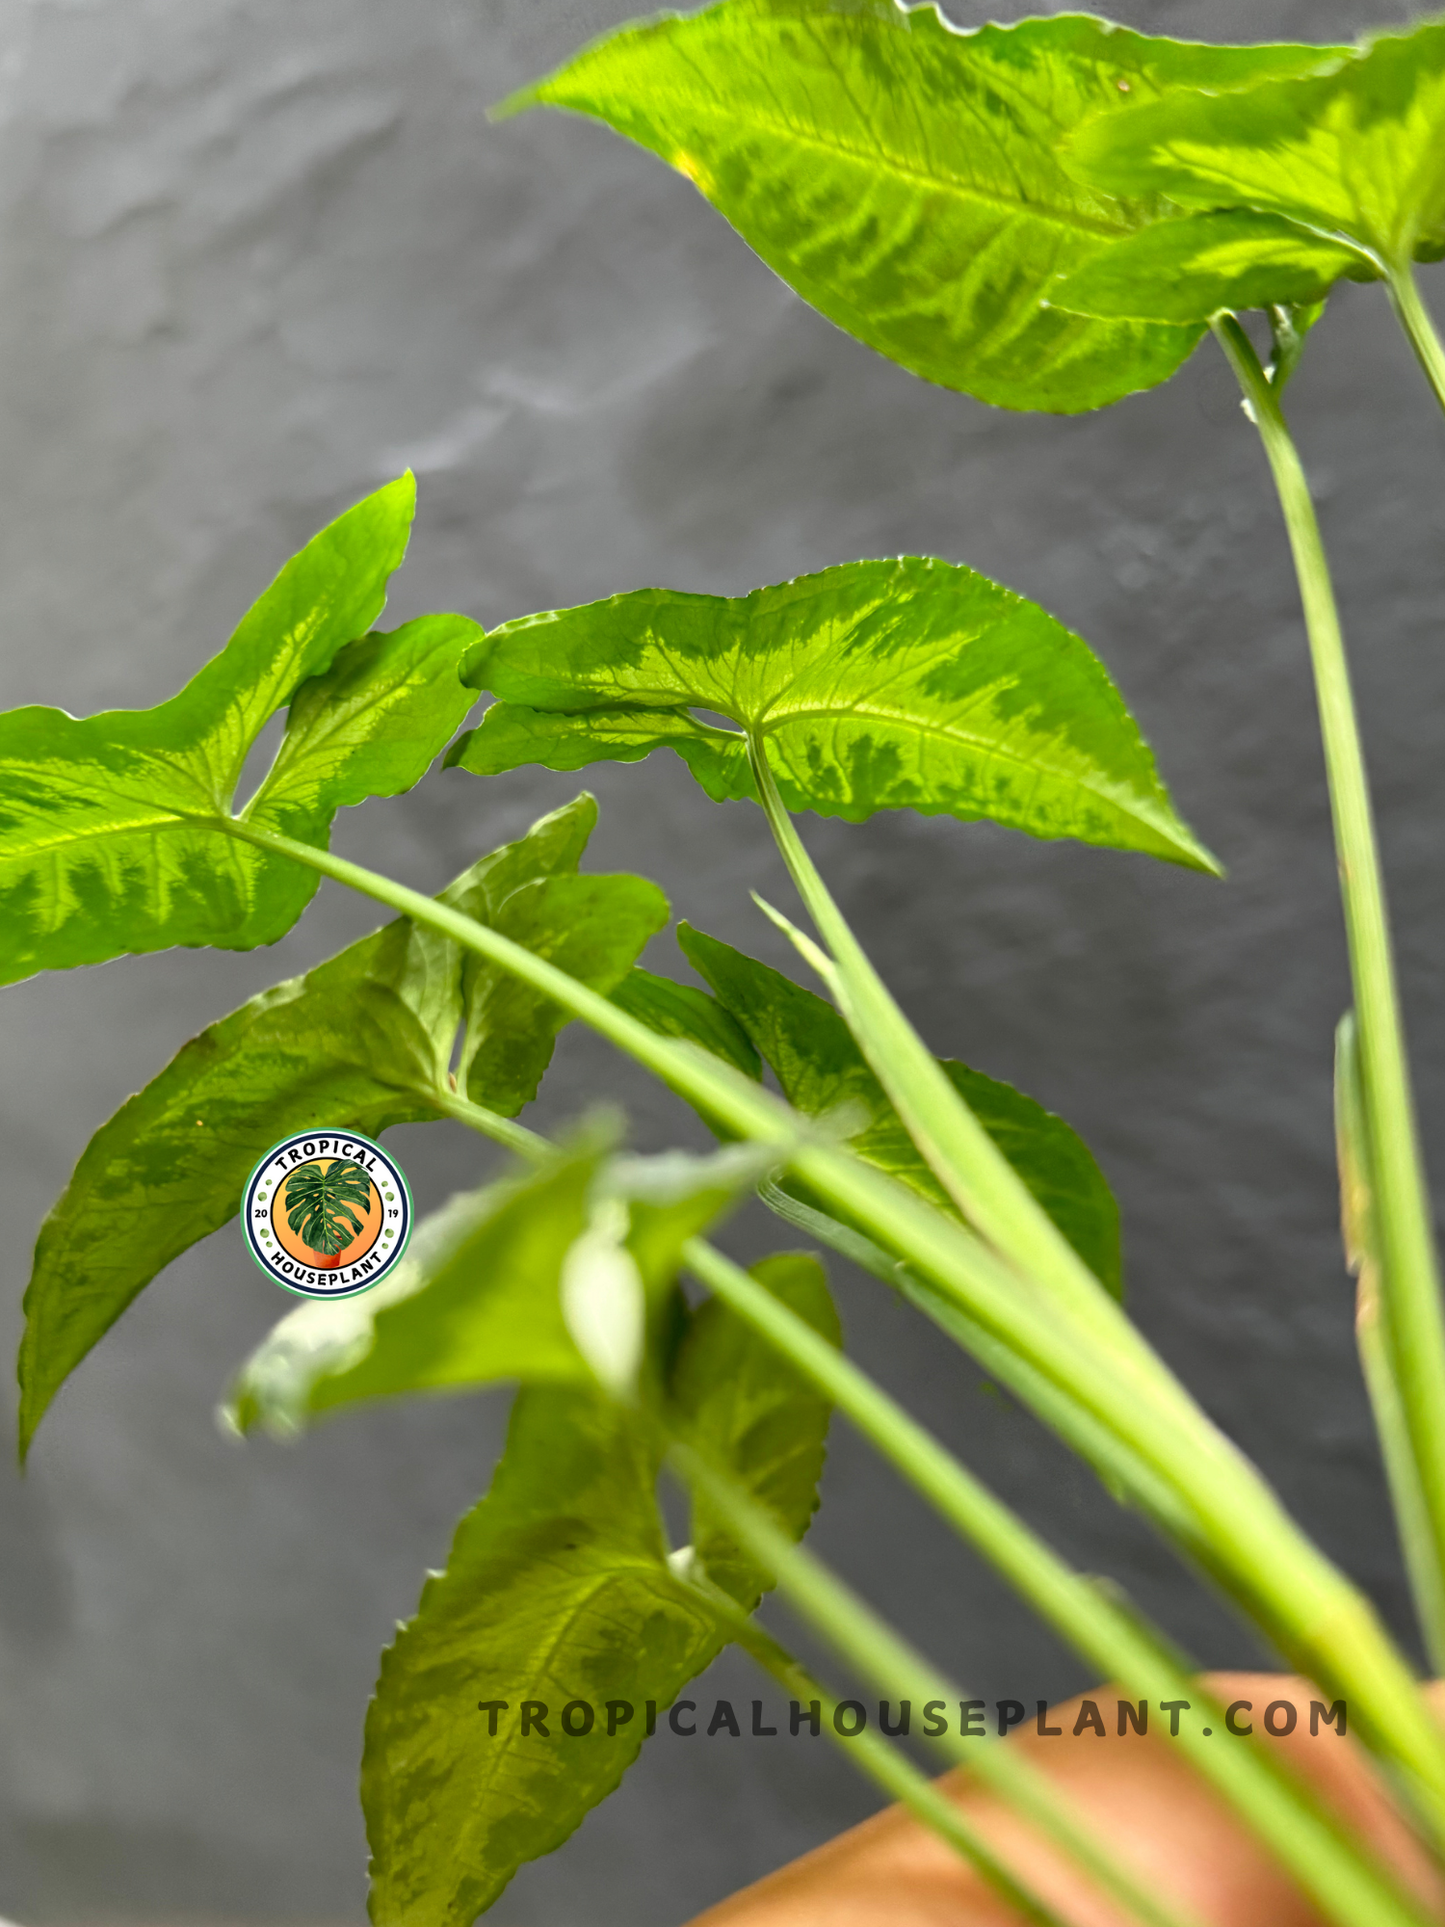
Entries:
{"x":256,"y":256}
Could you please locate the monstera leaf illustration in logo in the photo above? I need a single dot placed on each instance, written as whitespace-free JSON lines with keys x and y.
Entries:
{"x":319,"y":1201}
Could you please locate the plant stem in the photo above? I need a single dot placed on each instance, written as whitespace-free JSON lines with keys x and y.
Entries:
{"x":1305,"y":1605}
{"x":886,"y":1765}
{"x":1362,"y":1255}
{"x":501,"y":1130}
{"x":1126,"y":1477}
{"x":1121,"y":1645}
{"x":1112,"y":1638}
{"x":1344,"y":1884}
{"x":1410,"y":1283}
{"x":965,"y":1159}
{"x":1420,"y":330}
{"x":878,"y":1654}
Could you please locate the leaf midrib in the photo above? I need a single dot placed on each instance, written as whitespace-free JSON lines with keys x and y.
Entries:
{"x":891,"y":164}
{"x":772,"y":720}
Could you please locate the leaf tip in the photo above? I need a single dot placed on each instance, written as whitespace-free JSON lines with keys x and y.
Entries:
{"x":518,"y":102}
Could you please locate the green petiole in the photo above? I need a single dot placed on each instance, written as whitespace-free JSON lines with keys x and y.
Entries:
{"x":976,"y":1175}
{"x":1345,"y":1887}
{"x":1269,"y":1800}
{"x":1420,"y":330}
{"x":1413,"y":1327}
{"x":1362,"y":1255}
{"x":1306,"y":1606}
{"x":887,"y":1766}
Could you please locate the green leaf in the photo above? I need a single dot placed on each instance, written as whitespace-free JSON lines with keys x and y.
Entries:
{"x":681,"y":1010}
{"x":749,"y":1411}
{"x":820,"y":1069}
{"x":109,"y":826}
{"x":362,"y":1042}
{"x":901,"y":176}
{"x":875,"y":685}
{"x":560,"y":1588}
{"x":557,"y":1590}
{"x":1358,"y":152}
{"x":592,"y":927}
{"x":481,"y":1295}
{"x":1190,"y":269}
{"x":512,"y":735}
{"x":372,"y":726}
{"x":473,"y":1302}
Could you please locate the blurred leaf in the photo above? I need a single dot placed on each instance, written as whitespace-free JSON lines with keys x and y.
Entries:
{"x":749,"y":1411}
{"x":362,"y":1042}
{"x":557,"y":1590}
{"x":681,"y":1010}
{"x":876,"y":685}
{"x":901,"y":175}
{"x":821,"y":1069}
{"x":473,"y":1302}
{"x":109,"y":826}
{"x":479,"y":1296}
{"x":1358,"y":152}
{"x":1190,"y":269}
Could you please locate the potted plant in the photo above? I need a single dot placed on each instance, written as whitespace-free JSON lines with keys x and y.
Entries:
{"x":1048,"y":216}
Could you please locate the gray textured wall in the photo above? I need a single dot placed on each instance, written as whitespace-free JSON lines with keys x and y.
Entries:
{"x":255,"y":256}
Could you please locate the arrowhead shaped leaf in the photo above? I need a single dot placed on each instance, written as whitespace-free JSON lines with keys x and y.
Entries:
{"x":1358,"y":152}
{"x":821,"y":1069}
{"x":1190,"y":269}
{"x":109,"y":826}
{"x":876,"y":685}
{"x":900,"y":174}
{"x":557,"y":1590}
{"x":363,"y":1041}
{"x":750,"y":1411}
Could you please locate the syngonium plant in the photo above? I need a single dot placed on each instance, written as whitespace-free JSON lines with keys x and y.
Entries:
{"x":1045,"y":216}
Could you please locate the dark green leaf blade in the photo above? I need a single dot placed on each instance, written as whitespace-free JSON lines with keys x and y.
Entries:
{"x":876,"y":685}
{"x":1193,"y":268}
{"x":371,"y":726}
{"x":821,"y":1069}
{"x":108,"y":834}
{"x":364,"y":1041}
{"x":682,"y":1010}
{"x":901,"y":176}
{"x":594,"y":928}
{"x":750,"y":1412}
{"x":1358,"y":152}
{"x":557,"y":1589}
